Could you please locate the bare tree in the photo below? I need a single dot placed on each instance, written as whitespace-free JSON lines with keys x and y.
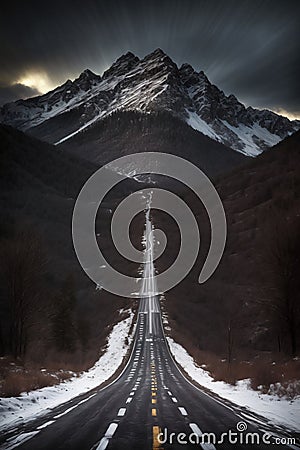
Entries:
{"x":283,"y":264}
{"x":64,"y":329}
{"x":22,"y":265}
{"x":229,"y":340}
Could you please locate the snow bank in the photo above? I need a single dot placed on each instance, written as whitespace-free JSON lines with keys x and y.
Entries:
{"x":34,"y":403}
{"x":278,"y":410}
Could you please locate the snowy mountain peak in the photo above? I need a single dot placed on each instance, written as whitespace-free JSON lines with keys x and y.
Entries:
{"x":160,"y":58}
{"x":148,"y":85}
{"x":157,"y":53}
{"x":87,"y":79}
{"x":87,"y":74}
{"x":122,"y":65}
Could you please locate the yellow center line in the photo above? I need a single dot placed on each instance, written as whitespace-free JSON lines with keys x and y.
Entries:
{"x":155,"y":432}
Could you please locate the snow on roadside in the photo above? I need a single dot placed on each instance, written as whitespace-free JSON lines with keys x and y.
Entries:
{"x":280,"y":411}
{"x":34,"y":403}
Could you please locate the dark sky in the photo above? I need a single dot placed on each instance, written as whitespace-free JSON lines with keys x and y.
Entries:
{"x":248,"y":48}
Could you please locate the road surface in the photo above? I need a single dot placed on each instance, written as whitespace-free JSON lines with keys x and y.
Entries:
{"x":150,"y":397}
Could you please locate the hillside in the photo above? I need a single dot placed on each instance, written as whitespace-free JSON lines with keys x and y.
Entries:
{"x":249,"y":309}
{"x":51,"y":314}
{"x":134,"y":132}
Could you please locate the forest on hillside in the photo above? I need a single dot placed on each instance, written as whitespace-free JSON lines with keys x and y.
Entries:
{"x":51,"y":314}
{"x":245,"y":320}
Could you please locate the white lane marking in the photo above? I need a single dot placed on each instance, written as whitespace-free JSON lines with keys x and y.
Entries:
{"x":183,"y":411}
{"x":170,"y":393}
{"x":103,"y":444}
{"x":45,"y":424}
{"x":131,"y":393}
{"x":129,"y":400}
{"x":108,"y":435}
{"x":195,"y":429}
{"x":73,"y":407}
{"x":111,"y":430}
{"x":174,"y":399}
{"x":122,"y":412}
{"x":15,"y":442}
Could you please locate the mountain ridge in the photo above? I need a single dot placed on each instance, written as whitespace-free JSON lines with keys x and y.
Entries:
{"x":151,"y":84}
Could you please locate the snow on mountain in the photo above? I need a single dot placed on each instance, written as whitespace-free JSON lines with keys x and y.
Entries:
{"x":151,"y":84}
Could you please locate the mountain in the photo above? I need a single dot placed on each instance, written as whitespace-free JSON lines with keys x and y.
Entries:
{"x":150,"y":85}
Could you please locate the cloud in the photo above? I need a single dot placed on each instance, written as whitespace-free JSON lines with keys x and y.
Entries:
{"x":10,"y":93}
{"x":295,"y":115}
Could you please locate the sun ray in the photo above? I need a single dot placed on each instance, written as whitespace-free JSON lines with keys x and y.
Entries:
{"x":37,"y":80}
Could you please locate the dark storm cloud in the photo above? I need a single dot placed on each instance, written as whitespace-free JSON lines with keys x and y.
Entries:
{"x":249,"y":48}
{"x":15,"y":91}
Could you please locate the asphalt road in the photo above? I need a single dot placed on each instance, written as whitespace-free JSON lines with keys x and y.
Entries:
{"x":151,"y":396}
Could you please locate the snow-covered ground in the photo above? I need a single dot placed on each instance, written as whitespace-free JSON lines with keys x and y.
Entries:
{"x":29,"y":405}
{"x":278,"y":410}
